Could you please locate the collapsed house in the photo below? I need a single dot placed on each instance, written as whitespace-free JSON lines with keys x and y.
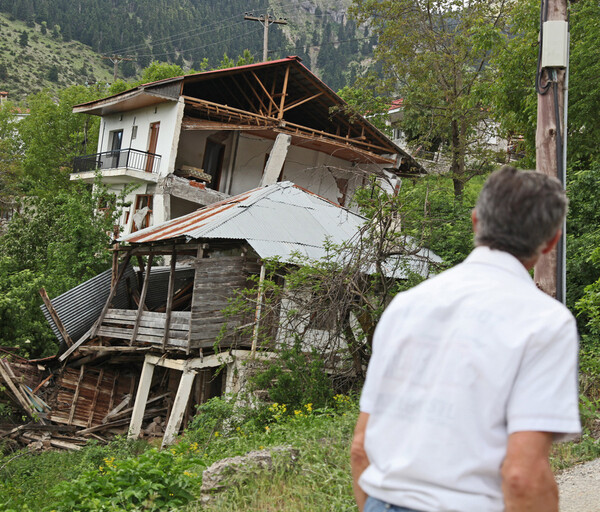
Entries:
{"x":140,"y":349}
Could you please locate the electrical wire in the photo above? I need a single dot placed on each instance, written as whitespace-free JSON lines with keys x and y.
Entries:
{"x":217,"y":24}
{"x":180,"y":36}
{"x":250,"y":32}
{"x":542,"y":89}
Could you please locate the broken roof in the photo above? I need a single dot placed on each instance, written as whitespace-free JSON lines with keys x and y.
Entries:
{"x":267,"y":98}
{"x":278,"y":221}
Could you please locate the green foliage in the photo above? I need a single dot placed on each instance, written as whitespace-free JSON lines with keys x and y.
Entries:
{"x":362,"y":99}
{"x":435,"y":57}
{"x":155,"y":480}
{"x":512,"y":95}
{"x":10,"y":152}
{"x":52,"y":135}
{"x":159,"y":71}
{"x":296,"y":378}
{"x":27,"y":477}
{"x":56,"y":243}
{"x":29,"y":53}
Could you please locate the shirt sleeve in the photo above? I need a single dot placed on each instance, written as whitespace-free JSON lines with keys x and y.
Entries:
{"x":545,"y":395}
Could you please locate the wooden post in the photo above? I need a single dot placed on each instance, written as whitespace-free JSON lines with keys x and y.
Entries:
{"x":111,"y":296}
{"x":76,"y":396}
{"x":95,"y":399}
{"x":170,"y":297}
{"x":259,"y":301}
{"x":4,"y":372}
{"x":548,"y":267}
{"x":140,"y":310}
{"x":199,"y":257}
{"x":55,"y":318}
{"x":115,"y":258}
{"x":137,"y":415}
{"x":179,"y":406}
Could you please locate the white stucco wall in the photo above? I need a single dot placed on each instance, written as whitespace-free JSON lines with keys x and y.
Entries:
{"x":165,"y":113}
{"x":316,"y":171}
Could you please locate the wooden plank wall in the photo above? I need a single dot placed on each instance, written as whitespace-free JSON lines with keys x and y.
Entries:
{"x":84,"y":398}
{"x":118,"y":323}
{"x":217,"y":280}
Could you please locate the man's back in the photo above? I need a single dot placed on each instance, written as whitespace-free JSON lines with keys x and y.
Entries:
{"x":459,"y":363}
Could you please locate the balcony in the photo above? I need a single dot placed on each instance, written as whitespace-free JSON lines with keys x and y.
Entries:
{"x":118,"y":166}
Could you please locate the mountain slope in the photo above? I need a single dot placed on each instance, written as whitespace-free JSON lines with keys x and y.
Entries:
{"x":31,"y":61}
{"x":190,"y":32}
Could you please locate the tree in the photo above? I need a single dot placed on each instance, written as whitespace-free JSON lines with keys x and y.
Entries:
{"x":55,"y":242}
{"x":159,"y":71}
{"x":513,"y":93}
{"x":434,"y":55}
{"x":52,"y":135}
{"x":363,"y":100}
{"x":24,"y":39}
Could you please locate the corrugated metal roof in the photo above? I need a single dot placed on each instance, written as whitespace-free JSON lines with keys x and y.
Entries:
{"x":81,"y":306}
{"x":279,"y":220}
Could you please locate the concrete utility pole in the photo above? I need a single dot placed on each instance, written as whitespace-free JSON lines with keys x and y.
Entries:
{"x":266,"y":20}
{"x":550,"y":139}
{"x":115,"y":59}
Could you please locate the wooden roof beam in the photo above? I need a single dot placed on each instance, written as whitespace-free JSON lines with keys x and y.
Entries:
{"x":264,"y":107}
{"x":284,"y":92}
{"x":270,"y":98}
{"x":297,"y":103}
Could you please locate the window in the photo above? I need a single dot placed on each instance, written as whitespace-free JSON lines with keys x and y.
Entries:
{"x":142,"y":213}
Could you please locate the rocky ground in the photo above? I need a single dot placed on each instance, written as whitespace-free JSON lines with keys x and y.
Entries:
{"x":580,"y":488}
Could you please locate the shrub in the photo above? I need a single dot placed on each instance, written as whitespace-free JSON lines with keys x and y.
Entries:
{"x":155,"y":480}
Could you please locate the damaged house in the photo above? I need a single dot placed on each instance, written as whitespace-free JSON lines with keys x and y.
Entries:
{"x":142,"y":347}
{"x":194,"y":140}
{"x":228,"y":168}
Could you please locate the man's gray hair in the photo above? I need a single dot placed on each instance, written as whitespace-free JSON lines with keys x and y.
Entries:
{"x":519,"y":211}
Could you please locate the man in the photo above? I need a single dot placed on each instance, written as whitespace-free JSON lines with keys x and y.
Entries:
{"x":474,"y":372}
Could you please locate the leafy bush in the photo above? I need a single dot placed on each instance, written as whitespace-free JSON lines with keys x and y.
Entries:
{"x":155,"y":480}
{"x":296,"y":378}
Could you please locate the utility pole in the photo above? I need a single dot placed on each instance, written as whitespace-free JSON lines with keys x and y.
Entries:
{"x":115,"y":59}
{"x":550,"y":139}
{"x":266,"y":20}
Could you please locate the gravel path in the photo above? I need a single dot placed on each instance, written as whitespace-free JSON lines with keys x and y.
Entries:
{"x":579,"y":488}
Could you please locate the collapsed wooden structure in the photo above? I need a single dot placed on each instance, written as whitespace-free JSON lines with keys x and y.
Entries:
{"x":141,"y":348}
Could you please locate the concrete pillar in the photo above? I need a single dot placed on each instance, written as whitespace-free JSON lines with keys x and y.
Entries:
{"x":276,"y":159}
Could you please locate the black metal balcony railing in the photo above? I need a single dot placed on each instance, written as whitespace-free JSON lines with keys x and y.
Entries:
{"x":123,"y":158}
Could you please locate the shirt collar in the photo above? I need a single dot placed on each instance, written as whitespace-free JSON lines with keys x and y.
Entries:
{"x":501,"y":259}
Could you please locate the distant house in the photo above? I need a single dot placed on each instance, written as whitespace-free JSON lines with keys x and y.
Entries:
{"x":487,"y":136}
{"x":190,"y":141}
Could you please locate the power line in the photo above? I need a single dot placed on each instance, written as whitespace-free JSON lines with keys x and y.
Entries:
{"x":202,"y":47}
{"x":180,"y":36}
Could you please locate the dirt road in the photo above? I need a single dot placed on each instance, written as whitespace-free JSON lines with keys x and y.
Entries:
{"x":579,"y":488}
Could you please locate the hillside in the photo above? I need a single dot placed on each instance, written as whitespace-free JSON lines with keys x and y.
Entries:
{"x":31,"y":60}
{"x":191,"y":33}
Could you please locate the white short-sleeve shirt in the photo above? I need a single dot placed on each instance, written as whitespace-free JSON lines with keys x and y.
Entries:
{"x":459,"y":363}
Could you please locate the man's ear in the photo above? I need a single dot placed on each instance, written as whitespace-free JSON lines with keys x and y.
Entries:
{"x":552,"y":242}
{"x":474,"y":219}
